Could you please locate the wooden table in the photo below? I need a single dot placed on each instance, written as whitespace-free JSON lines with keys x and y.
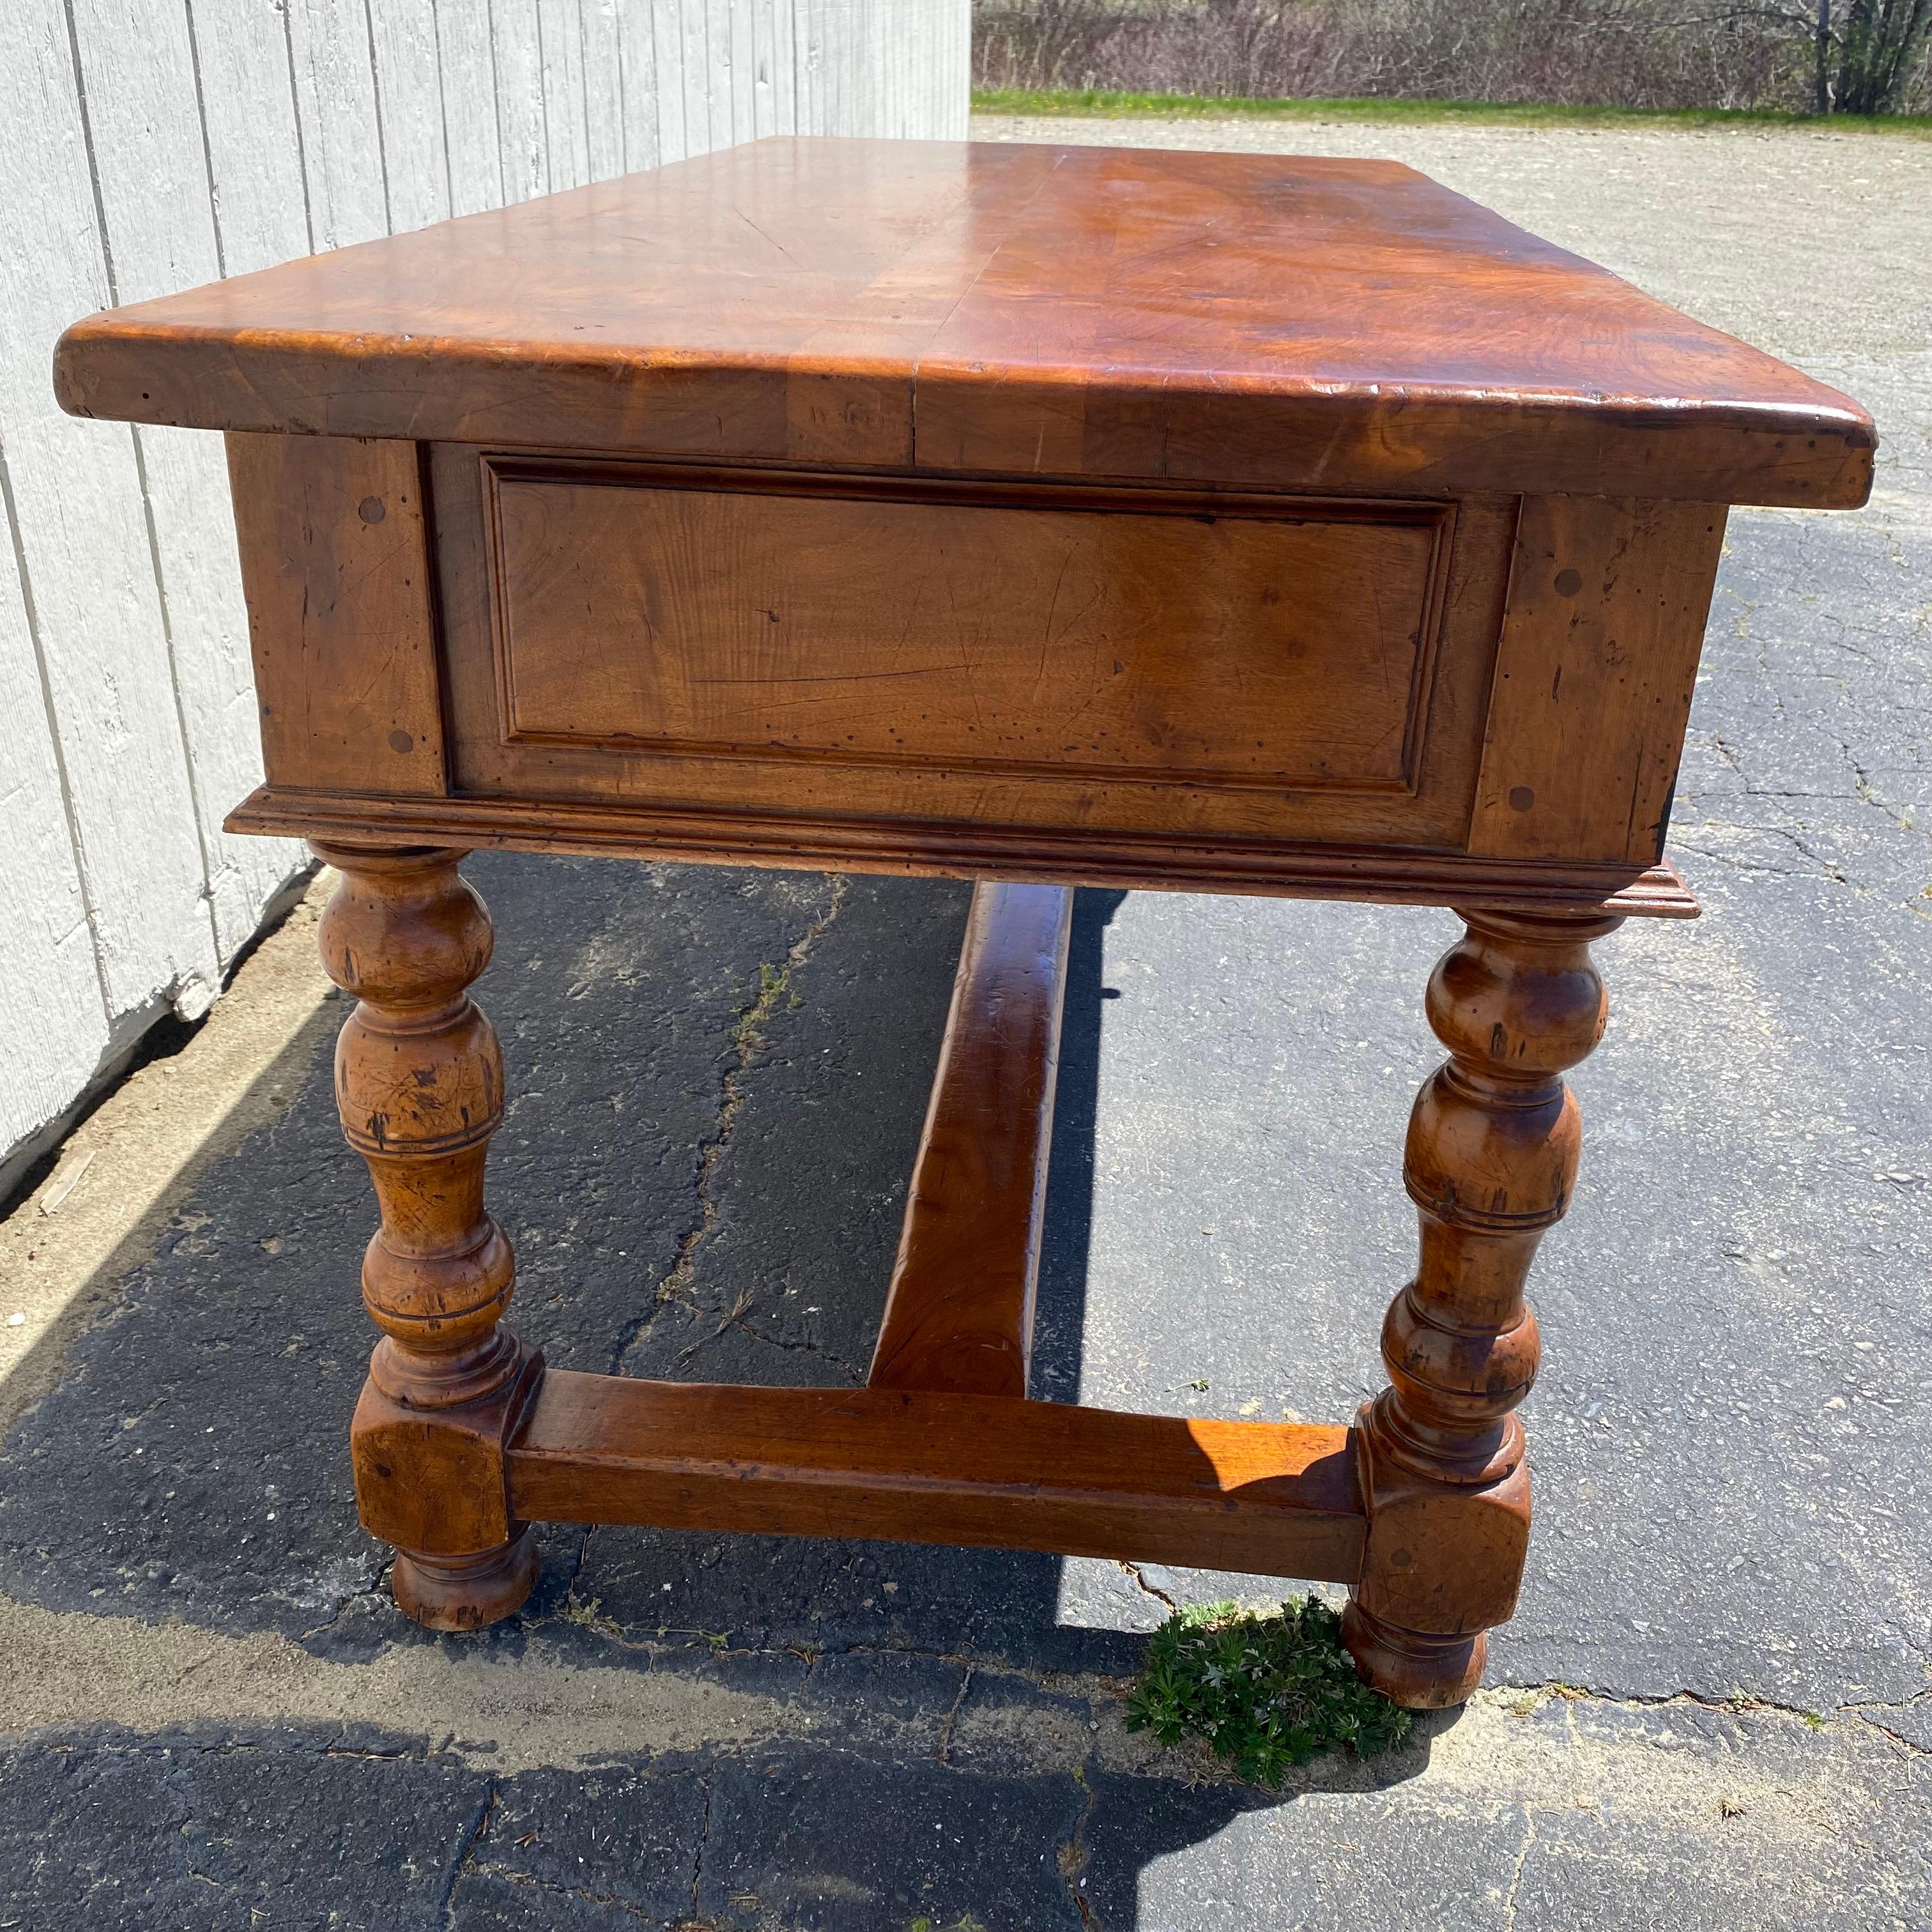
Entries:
{"x":1048,"y":515}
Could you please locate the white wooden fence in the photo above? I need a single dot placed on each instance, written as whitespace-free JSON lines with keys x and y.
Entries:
{"x":147,"y":146}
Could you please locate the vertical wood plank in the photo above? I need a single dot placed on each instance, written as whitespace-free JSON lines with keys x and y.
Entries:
{"x":241,"y":55}
{"x":668,"y":36}
{"x":841,"y":24}
{"x":560,"y":36}
{"x":252,"y":137}
{"x":741,"y":69}
{"x":910,"y":37}
{"x":783,"y":87}
{"x":763,"y":38}
{"x":808,"y":60}
{"x":888,"y":85}
{"x":467,"y":79}
{"x":866,"y":64}
{"x":604,"y":89}
{"x":947,"y":116}
{"x":520,"y":99}
{"x":716,"y":70}
{"x":335,"y":104}
{"x":153,"y":193}
{"x":50,"y":1043}
{"x":409,"y":102}
{"x":89,"y":566}
{"x":667,"y":29}
{"x":694,"y":28}
{"x":637,"y":68}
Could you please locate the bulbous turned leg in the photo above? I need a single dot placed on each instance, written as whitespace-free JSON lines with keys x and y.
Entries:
{"x":419,"y":1081}
{"x":1490,"y":1164}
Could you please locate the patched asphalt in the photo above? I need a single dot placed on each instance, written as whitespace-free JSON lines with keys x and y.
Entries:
{"x":716,"y":1082}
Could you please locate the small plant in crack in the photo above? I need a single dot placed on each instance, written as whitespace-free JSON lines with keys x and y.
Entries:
{"x":1267,"y":1690}
{"x":720,"y":1641}
{"x":589,"y":1613}
{"x":774,"y":985}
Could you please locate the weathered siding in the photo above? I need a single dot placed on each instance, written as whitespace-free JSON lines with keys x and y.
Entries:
{"x":147,"y":145}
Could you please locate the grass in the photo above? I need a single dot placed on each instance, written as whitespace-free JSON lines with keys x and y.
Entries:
{"x":1267,"y":1690}
{"x":1092,"y":102}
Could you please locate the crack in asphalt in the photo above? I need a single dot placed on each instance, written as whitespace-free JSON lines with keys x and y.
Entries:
{"x":467,"y":1846}
{"x":370,"y":1592}
{"x":750,"y":1043}
{"x":579,"y":1557}
{"x":1516,"y":1872}
{"x":1073,"y":1855}
{"x":943,"y":1752}
{"x":697,"y":1861}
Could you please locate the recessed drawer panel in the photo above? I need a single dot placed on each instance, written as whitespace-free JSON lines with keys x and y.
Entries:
{"x":1181,"y":640}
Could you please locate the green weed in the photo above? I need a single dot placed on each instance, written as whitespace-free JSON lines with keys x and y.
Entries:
{"x":1267,"y":1690}
{"x":575,"y":1609}
{"x":774,"y":984}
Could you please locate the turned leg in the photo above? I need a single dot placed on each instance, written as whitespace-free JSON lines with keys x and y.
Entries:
{"x":419,"y":1080}
{"x":1490,"y":1163}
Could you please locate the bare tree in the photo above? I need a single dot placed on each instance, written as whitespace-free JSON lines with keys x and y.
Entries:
{"x":1876,"y":46}
{"x":1862,"y":51}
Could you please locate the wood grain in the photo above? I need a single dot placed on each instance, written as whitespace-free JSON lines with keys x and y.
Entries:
{"x":936,"y":796}
{"x":913,"y":1466}
{"x":1608,"y":600}
{"x":1061,"y":311}
{"x":336,"y":567}
{"x":1230,"y":641}
{"x":959,"y":1313}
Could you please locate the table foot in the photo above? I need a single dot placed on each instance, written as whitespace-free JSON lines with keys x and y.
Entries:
{"x":1422,"y":1670}
{"x":465,"y":1593}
